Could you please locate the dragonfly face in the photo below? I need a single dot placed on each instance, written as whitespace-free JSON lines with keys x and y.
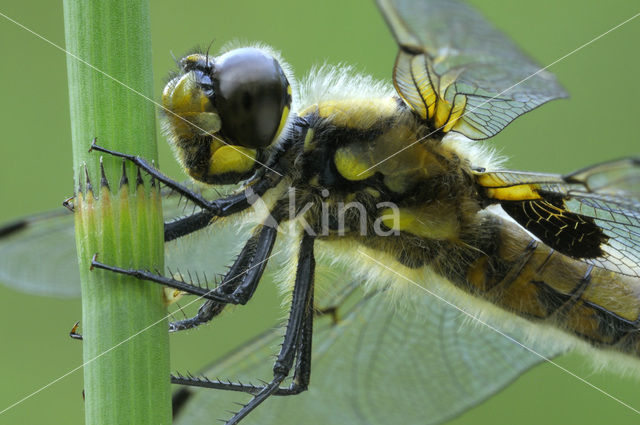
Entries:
{"x":356,"y":143}
{"x":242,"y":96}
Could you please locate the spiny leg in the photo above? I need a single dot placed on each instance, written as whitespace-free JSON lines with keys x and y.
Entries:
{"x":186,"y":225}
{"x":226,"y":206}
{"x":219,"y":207}
{"x":296,"y":343}
{"x":301,"y":307}
{"x":238,"y":285}
{"x":302,"y":370}
{"x":241,"y":279}
{"x":180,"y":285}
{"x":183,"y":395}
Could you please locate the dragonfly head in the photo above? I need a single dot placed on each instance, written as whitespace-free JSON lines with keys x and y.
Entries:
{"x":223,"y":112}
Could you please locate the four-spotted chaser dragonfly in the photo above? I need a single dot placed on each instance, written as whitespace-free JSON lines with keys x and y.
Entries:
{"x":575,"y":268}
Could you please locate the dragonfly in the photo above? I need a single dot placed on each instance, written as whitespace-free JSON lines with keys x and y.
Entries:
{"x":456,"y":86}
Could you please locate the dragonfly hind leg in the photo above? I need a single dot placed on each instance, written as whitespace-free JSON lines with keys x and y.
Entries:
{"x":295,"y":351}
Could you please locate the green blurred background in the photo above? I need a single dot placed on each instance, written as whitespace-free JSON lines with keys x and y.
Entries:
{"x":597,"y":123}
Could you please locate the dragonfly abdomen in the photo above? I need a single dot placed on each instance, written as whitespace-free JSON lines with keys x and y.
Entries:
{"x":525,"y":276}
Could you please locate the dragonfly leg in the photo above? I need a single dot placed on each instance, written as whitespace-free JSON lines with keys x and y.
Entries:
{"x":222,"y":207}
{"x":186,"y":225}
{"x":225,"y":207}
{"x":300,"y":383}
{"x":295,"y":347}
{"x":182,"y":396}
{"x":180,"y":285}
{"x":240,"y":281}
{"x":73,"y":333}
{"x":302,"y":371}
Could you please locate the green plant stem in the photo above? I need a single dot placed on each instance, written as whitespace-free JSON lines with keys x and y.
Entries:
{"x":126,"y":375}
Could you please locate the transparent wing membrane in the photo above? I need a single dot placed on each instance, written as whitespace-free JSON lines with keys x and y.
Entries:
{"x":600,"y":203}
{"x":458,"y":72}
{"x":38,"y":253}
{"x":379,"y":364}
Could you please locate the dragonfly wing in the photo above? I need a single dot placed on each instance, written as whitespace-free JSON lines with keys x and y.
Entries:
{"x":592,"y":215}
{"x":419,"y":364}
{"x":38,"y":255}
{"x":458,"y":72}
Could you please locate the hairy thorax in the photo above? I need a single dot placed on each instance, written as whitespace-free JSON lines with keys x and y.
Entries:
{"x":370,"y":171}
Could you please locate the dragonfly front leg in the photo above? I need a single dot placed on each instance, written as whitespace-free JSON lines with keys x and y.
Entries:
{"x":217,"y":208}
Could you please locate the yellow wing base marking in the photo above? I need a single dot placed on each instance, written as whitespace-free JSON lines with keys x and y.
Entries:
{"x":521,"y":192}
{"x":496,"y":188}
{"x":420,"y":87}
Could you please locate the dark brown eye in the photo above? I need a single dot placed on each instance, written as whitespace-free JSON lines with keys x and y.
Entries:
{"x":251,"y":96}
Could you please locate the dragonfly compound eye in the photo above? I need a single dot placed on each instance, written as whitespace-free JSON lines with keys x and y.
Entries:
{"x":220,"y":112}
{"x":252,"y":97}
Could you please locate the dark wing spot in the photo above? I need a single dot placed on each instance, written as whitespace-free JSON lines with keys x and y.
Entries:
{"x":569,"y":233}
{"x":12,"y":228}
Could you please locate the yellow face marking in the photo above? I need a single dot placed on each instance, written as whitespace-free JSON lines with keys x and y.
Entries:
{"x":350,"y":166}
{"x":189,"y":108}
{"x":520,"y":192}
{"x":232,"y":159}
{"x":184,"y":95}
